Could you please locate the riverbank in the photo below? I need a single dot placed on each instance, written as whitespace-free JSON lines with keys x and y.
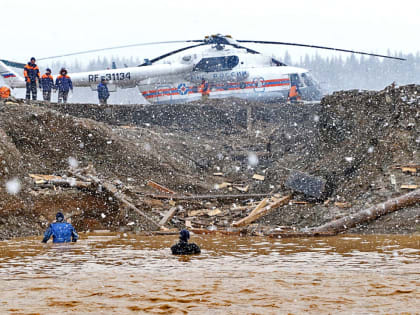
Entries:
{"x":361,"y":147}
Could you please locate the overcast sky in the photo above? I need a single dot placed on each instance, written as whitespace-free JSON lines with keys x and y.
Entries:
{"x":51,"y":27}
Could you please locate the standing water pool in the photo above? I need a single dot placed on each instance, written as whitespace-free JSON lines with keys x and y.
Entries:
{"x":116,"y":273}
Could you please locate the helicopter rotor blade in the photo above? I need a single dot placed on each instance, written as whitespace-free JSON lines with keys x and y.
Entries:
{"x":320,"y":47}
{"x":117,"y":47}
{"x":170,"y":53}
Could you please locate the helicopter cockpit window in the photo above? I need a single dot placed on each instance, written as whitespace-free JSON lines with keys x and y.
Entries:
{"x":217,"y":64}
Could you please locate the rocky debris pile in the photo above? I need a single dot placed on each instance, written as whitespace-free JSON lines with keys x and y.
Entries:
{"x":357,"y":145}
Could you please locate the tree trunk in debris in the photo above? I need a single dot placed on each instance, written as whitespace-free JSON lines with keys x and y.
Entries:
{"x":369,"y":214}
{"x":117,"y":195}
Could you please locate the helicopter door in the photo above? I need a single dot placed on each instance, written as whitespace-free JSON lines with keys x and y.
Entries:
{"x":161,"y":97}
{"x":258,"y":85}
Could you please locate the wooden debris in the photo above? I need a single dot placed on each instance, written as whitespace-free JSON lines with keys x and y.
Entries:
{"x":214,"y":212}
{"x":115,"y":193}
{"x":168,"y":215}
{"x":188,"y":224}
{"x":41,"y":179}
{"x":261,"y":205}
{"x":204,"y":197}
{"x":369,"y":214}
{"x":298,"y":202}
{"x":262,"y":212}
{"x":209,"y":212}
{"x":218,"y":174}
{"x":342,"y":205}
{"x":223,"y":185}
{"x":409,"y":169}
{"x":160,"y":187}
{"x":258,"y":177}
{"x":408,"y":186}
{"x":241,"y":188}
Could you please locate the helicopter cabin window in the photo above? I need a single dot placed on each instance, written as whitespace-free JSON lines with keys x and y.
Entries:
{"x":217,"y":64}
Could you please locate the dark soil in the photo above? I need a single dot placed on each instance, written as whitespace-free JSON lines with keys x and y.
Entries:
{"x":353,"y":140}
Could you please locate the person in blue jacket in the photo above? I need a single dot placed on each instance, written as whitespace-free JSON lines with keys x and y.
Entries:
{"x":63,"y":84}
{"x":103,"y":92}
{"x":47,"y":83}
{"x":61,"y":231}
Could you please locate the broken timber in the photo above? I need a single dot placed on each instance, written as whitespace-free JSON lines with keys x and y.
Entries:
{"x":369,"y":214}
{"x":168,"y":215}
{"x":160,"y":187}
{"x":201,"y":197}
{"x":262,"y":211}
{"x":116,"y":194}
{"x":41,"y":179}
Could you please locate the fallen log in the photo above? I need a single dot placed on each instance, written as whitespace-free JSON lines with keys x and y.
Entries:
{"x":40,"y":179}
{"x":113,"y":190}
{"x":201,"y":197}
{"x":369,"y":214}
{"x":253,"y":216}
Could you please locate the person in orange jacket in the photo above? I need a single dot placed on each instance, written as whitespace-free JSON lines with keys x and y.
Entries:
{"x":294,"y":94}
{"x":205,"y":89}
{"x":63,"y":84}
{"x":4,"y":92}
{"x":47,"y":82}
{"x":31,"y":74}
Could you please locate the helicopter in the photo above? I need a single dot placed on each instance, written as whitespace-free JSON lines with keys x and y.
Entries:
{"x":230,"y":69}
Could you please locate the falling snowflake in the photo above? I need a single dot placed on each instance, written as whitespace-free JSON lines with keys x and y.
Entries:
{"x":252,"y":159}
{"x":73,"y":163}
{"x":13,"y":186}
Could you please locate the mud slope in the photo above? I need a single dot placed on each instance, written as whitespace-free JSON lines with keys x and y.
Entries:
{"x":355,"y":140}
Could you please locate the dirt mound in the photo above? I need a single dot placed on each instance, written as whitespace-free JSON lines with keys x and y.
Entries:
{"x":354,"y":140}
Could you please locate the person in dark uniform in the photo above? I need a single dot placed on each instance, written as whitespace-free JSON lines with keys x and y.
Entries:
{"x":47,"y":85}
{"x":61,"y":231}
{"x":31,"y":74}
{"x":183,"y":247}
{"x":103,"y":93}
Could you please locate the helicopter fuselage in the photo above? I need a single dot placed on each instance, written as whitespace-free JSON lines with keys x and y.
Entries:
{"x":230,"y":73}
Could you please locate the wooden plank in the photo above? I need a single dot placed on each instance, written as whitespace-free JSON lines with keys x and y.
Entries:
{"x":258,"y":177}
{"x":262,"y":212}
{"x":342,"y":205}
{"x":407,"y":186}
{"x":168,"y":215}
{"x":261,"y":205}
{"x":409,"y":169}
{"x":160,"y":187}
{"x":241,"y":188}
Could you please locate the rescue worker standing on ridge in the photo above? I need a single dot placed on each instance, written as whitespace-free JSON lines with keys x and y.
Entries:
{"x":103,"y":93}
{"x":182,"y":247}
{"x":31,"y":74}
{"x":47,"y":82}
{"x":61,"y":231}
{"x":64,"y":85}
{"x":4,"y":92}
{"x":294,"y":94}
{"x":205,"y":90}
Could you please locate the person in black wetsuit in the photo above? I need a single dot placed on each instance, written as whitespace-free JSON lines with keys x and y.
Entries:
{"x":183,"y":247}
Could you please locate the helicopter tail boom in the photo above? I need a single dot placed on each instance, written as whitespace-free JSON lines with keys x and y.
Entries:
{"x":9,"y":75}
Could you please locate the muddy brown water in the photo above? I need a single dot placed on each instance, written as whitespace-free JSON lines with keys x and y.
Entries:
{"x":116,"y":273}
